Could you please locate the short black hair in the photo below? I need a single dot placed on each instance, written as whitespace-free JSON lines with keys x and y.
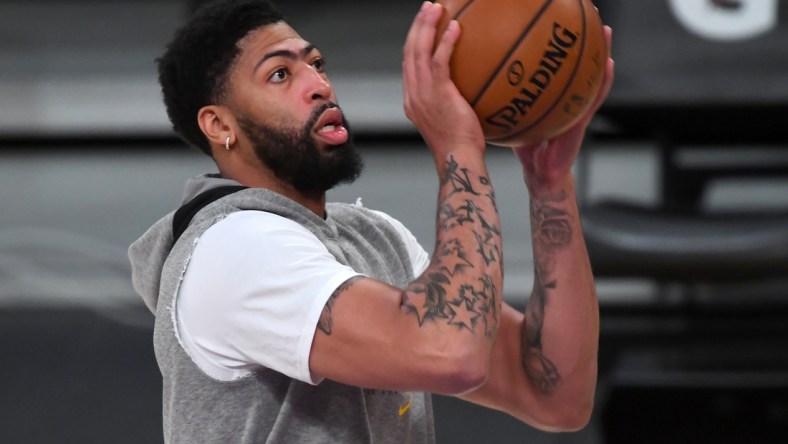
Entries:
{"x":194,"y":68}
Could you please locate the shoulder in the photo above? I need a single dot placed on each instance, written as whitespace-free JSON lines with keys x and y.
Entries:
{"x":396,"y":224}
{"x":251,"y":225}
{"x":347,"y":213}
{"x":388,"y":227}
{"x":248,"y":239}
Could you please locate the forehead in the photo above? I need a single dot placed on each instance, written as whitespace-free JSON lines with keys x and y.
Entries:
{"x":274,"y":37}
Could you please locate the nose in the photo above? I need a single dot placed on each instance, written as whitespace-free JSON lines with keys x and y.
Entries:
{"x":318,"y":87}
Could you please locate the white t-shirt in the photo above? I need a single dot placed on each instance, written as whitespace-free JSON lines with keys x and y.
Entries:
{"x":253,"y":293}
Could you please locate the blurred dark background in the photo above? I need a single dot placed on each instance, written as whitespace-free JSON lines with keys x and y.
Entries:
{"x":683,"y":186}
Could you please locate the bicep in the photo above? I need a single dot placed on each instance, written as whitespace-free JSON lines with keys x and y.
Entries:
{"x":377,"y":341}
{"x":353,"y":331}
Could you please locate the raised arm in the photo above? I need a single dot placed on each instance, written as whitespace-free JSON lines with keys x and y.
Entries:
{"x":437,"y":334}
{"x":544,"y":364}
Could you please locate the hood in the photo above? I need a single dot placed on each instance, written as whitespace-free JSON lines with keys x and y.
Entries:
{"x":148,"y":253}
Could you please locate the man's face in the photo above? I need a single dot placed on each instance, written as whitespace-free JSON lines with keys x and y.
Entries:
{"x":287,"y":109}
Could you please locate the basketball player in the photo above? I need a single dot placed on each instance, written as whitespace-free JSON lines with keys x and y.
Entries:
{"x":281,"y":318}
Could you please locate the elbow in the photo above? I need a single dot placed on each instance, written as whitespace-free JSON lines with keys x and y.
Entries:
{"x":570,"y":418}
{"x":469,"y":376}
{"x":570,"y":407}
{"x":461,"y":373}
{"x":576,"y":420}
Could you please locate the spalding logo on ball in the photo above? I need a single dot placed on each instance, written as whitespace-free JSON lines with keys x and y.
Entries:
{"x":529,"y":68}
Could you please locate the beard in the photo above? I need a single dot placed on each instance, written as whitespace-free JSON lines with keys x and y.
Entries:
{"x":294,"y":157}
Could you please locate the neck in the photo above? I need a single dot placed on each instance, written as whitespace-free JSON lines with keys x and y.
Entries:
{"x":247,"y":170}
{"x":315,"y":202}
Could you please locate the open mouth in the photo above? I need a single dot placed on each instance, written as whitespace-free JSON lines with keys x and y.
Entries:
{"x":329,"y":127}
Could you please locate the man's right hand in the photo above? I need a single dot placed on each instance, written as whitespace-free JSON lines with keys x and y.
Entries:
{"x":432,"y":102}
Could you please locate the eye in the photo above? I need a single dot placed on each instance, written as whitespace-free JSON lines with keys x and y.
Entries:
{"x":319,"y":65}
{"x":279,"y":76}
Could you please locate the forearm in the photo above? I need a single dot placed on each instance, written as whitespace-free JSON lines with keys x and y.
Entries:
{"x":544,"y":360}
{"x":561,"y":327}
{"x":456,"y":301}
{"x":461,"y":288}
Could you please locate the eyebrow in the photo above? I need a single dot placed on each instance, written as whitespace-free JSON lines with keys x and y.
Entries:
{"x":284,"y":53}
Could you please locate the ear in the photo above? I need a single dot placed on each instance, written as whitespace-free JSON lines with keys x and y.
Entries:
{"x":217,"y":123}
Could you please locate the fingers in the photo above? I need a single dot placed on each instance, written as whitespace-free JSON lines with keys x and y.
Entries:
{"x":445,"y":48}
{"x":408,"y":68}
{"x":413,"y":32}
{"x":421,"y":67}
{"x":410,"y":76}
{"x":425,"y":36}
{"x":609,"y":72}
{"x":418,"y":51}
{"x":608,"y":83}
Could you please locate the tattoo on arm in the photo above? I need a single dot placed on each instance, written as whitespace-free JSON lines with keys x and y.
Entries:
{"x":551,"y":226}
{"x":552,"y":231}
{"x":326,"y":321}
{"x":460,"y":287}
{"x":540,"y":370}
{"x":473,"y":307}
{"x":458,"y":178}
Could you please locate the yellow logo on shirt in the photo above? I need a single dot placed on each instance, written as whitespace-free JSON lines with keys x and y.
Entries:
{"x":404,"y":408}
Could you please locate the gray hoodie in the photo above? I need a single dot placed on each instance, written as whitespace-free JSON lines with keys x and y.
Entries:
{"x":268,"y":407}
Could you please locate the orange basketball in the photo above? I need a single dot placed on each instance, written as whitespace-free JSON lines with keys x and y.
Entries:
{"x":529,"y":68}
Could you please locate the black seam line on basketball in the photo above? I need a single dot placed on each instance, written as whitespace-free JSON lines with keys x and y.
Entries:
{"x":511,"y":51}
{"x":568,"y":83}
{"x":462,"y":10}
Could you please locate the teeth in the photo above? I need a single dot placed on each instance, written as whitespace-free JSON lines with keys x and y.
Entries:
{"x":327,"y":128}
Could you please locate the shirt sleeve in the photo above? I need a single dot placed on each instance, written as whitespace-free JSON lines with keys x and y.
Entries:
{"x":419,"y":258}
{"x":252,"y":296}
